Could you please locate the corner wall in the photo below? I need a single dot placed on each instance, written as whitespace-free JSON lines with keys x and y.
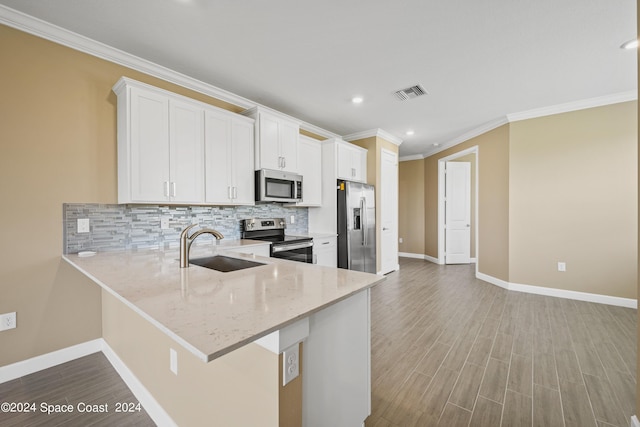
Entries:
{"x":58,"y":136}
{"x":493,"y":201}
{"x":573,"y":198}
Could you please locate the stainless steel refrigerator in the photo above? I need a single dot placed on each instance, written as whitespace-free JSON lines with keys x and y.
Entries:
{"x":356,"y":226}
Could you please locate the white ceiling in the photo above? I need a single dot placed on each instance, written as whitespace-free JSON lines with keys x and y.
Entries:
{"x":479,"y":60}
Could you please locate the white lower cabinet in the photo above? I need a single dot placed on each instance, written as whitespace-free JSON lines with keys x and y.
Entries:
{"x":325,"y":251}
{"x":258,"y":250}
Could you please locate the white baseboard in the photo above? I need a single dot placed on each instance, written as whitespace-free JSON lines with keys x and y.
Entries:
{"x":45,"y":361}
{"x":151,"y":405}
{"x":410,"y":255}
{"x":562,"y":293}
{"x":634,"y":421}
{"x":49,"y":360}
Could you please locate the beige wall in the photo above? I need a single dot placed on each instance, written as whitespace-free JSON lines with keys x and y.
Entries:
{"x":573,"y":198}
{"x":58,"y":136}
{"x":493,"y":203}
{"x":411,"y":206}
{"x":238,"y":389}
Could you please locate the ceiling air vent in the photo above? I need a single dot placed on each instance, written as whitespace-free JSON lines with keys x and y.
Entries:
{"x":410,"y":92}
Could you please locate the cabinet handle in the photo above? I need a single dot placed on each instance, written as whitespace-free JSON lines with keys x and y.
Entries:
{"x":235,"y":192}
{"x":166,"y":189}
{"x":229,"y":193}
{"x":325,"y":243}
{"x":173,"y":189}
{"x":284,"y":162}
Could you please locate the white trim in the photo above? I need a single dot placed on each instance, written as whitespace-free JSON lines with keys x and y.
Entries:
{"x":634,"y":421}
{"x":62,"y":36}
{"x":433,"y":260}
{"x":412,"y":157}
{"x":48,"y":360}
{"x":441,"y":190}
{"x":318,"y":131}
{"x":472,"y":260}
{"x":146,"y":399}
{"x":582,"y":104}
{"x":561,"y":293}
{"x":411,"y":255}
{"x":373,"y":132}
{"x":480,"y":130}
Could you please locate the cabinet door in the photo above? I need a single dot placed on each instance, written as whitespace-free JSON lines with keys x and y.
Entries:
{"x":243,"y":169}
{"x":326,"y":251}
{"x":187,"y":152}
{"x":345,"y":164}
{"x":267,"y":145}
{"x":149,"y":146}
{"x":218,"y":158}
{"x":359,"y":163}
{"x":310,"y":165}
{"x":289,"y":133}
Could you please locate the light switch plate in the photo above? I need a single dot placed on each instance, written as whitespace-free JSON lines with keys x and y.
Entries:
{"x":164,"y":223}
{"x":562,"y":266}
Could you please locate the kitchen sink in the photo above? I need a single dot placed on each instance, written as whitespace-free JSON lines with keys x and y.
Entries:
{"x":224,"y":264}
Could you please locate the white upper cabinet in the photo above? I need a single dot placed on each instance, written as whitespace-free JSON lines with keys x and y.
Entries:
{"x":186,"y":158}
{"x":229,"y":158}
{"x":276,"y":141}
{"x":352,"y":162}
{"x":161,"y":149}
{"x":310,"y":164}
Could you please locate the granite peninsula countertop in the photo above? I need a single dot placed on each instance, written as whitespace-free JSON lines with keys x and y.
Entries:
{"x":212,"y":313}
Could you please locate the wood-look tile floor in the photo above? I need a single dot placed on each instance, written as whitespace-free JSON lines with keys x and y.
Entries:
{"x":81,"y":383}
{"x":451,"y":350}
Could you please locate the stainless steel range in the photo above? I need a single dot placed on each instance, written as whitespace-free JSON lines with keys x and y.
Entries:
{"x":294,"y":248}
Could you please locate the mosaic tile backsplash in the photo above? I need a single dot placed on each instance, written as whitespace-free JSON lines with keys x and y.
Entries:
{"x":119,"y":227}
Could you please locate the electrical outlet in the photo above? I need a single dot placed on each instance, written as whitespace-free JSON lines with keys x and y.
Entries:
{"x":164,"y":223}
{"x":83,"y":225}
{"x":293,"y":219}
{"x":173,"y":361}
{"x":291,"y":364}
{"x":400,"y":240}
{"x":7,"y":321}
{"x":562,"y":266}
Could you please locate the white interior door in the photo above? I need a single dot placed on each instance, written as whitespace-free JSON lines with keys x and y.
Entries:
{"x":389,"y":212}
{"x":458,"y":213}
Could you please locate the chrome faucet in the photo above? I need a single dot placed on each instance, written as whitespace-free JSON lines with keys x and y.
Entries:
{"x":186,"y":241}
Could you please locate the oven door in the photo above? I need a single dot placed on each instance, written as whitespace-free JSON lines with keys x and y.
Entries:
{"x":294,"y":251}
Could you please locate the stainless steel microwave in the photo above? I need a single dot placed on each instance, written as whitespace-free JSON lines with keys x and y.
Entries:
{"x":278,"y":186}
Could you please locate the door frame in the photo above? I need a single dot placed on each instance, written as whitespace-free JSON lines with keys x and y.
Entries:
{"x":396,"y":207}
{"x":441,"y":191}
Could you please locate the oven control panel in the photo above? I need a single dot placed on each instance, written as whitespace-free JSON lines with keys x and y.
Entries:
{"x":255,"y":224}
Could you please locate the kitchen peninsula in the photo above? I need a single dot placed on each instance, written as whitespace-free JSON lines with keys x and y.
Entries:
{"x":222,"y":328}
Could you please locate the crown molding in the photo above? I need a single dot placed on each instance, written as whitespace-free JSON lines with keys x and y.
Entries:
{"x":37,"y":27}
{"x":318,"y":131}
{"x":412,"y":157}
{"x":371,"y":133}
{"x":567,"y":107}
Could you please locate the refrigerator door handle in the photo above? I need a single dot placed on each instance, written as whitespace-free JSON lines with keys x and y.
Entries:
{"x":363,"y":220}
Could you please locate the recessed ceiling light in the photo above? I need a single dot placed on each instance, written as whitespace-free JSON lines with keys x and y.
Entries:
{"x":410,"y":132}
{"x":436,"y":145}
{"x":631,"y":44}
{"x":357,"y":100}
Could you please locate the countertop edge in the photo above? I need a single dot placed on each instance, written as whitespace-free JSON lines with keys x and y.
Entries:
{"x":200,"y":355}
